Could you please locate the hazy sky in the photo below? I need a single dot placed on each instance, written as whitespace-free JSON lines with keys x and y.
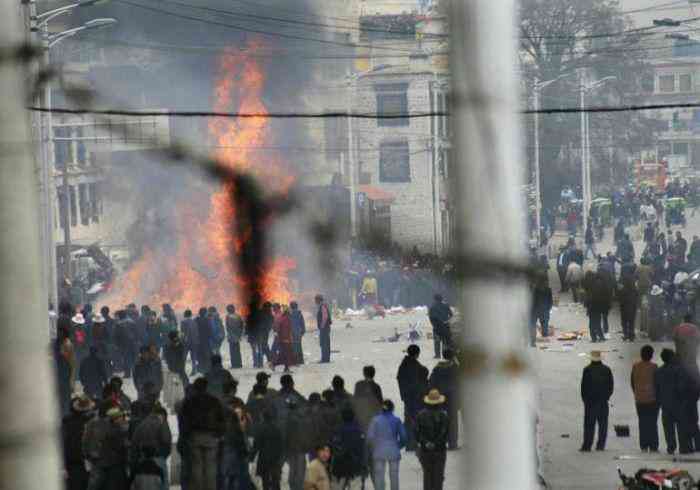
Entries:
{"x":659,"y":9}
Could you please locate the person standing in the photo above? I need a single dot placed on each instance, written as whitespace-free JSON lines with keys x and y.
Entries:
{"x":439,"y":315}
{"x":204,"y":341}
{"x":574,"y":279}
{"x":152,"y":437}
{"x":148,"y":374}
{"x":234,"y":333}
{"x":686,"y":337}
{"x":590,"y":240}
{"x":317,"y":472}
{"x":323,"y":323}
{"x":217,"y":377}
{"x":629,"y":302}
{"x":190,"y":335}
{"x":542,"y":303}
{"x":597,"y":387}
{"x":412,"y":378}
{"x":203,"y":425}
{"x":72,"y":430}
{"x":349,"y":464}
{"x":445,"y":378}
{"x":642,"y":378}
{"x":284,"y":340}
{"x":93,"y":374}
{"x":668,"y":389}
{"x":386,"y":436}
{"x":269,"y":448}
{"x":298,"y":331}
{"x":175,"y":355}
{"x":367,"y":398}
{"x":432,"y":432}
{"x":563,"y":260}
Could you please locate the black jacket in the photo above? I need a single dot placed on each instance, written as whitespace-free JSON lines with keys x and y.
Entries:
{"x":597,"y":383}
{"x":432,"y":428}
{"x":148,"y":371}
{"x":269,"y":446}
{"x":93,"y":374}
{"x":413,"y":380}
{"x":444,"y":377}
{"x":203,"y":413}
{"x":72,"y":430}
{"x":175,"y":355}
{"x":669,"y":386}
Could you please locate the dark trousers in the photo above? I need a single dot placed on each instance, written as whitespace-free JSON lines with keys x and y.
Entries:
{"x":690,"y":413}
{"x":595,"y":413}
{"x":606,"y":325}
{"x":257,"y":354}
{"x":562,"y":279}
{"x":410,"y":412}
{"x":234,"y":349}
{"x":78,"y":477}
{"x":672,"y":421}
{"x":648,"y":414}
{"x":594,"y":325}
{"x":628,"y":324}
{"x":324,"y":338}
{"x":271,"y":479}
{"x":433,"y":463}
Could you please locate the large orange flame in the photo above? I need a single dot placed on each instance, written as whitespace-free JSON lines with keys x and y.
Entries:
{"x":203,"y":270}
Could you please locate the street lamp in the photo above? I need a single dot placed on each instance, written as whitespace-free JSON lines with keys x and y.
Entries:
{"x":538,"y":86}
{"x":585,"y":145}
{"x":49,"y":160}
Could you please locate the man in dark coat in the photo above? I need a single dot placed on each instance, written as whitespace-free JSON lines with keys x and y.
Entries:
{"x":445,"y":378}
{"x":175,"y":354}
{"x":93,"y":375}
{"x":217,"y":377}
{"x":596,"y":389}
{"x":542,"y":303}
{"x":148,"y":374}
{"x":269,"y":448}
{"x":432,"y":433}
{"x":413,"y":384}
{"x":439,"y":315}
{"x":686,"y":337}
{"x":126,"y":342}
{"x":234,"y":333}
{"x":190,"y":336}
{"x":563,"y":260}
{"x":668,"y":387}
{"x":204,"y":339}
{"x":368,"y":397}
{"x":629,"y":302}
{"x":323,"y":323}
{"x":72,"y":430}
{"x":298,"y":331}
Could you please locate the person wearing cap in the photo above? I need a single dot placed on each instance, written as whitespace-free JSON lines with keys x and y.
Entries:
{"x":412,"y":378}
{"x":262,"y":380}
{"x":323,"y":323}
{"x":72,"y":430}
{"x":597,"y":387}
{"x":432,"y":432}
{"x":93,"y":374}
{"x":445,"y":377}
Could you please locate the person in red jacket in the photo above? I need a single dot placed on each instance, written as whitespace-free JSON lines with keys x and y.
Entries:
{"x":285,"y":340}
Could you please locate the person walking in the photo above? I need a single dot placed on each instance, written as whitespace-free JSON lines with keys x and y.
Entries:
{"x":412,"y":378}
{"x":234,"y":333}
{"x":148,"y":374}
{"x":597,"y":387}
{"x":72,"y":430}
{"x":432,"y":432}
{"x":590,"y":240}
{"x":93,"y":374}
{"x":542,"y":303}
{"x":563,"y":260}
{"x":175,"y":354}
{"x":642,"y":378}
{"x":668,"y":390}
{"x":445,"y":377}
{"x":152,"y":439}
{"x":323,"y":323}
{"x":386,"y":436}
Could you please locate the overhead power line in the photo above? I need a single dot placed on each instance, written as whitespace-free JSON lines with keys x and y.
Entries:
{"x":353,"y":115}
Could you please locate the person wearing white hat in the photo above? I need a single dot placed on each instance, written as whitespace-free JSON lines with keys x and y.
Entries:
{"x":597,"y":387}
{"x":432,"y":432}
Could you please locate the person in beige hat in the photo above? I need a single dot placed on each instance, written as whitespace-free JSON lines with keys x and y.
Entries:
{"x":432,"y":434}
{"x":596,"y":389}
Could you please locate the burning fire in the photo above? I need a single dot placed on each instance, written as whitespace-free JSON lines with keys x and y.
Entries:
{"x":203,"y":270}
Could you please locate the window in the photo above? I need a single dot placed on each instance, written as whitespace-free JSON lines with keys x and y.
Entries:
{"x":394,"y":162}
{"x":62,"y":147}
{"x":95,"y":201}
{"x":80,"y":152}
{"x":685,"y":83}
{"x":73,"y":207}
{"x":680,"y":149}
{"x":667,"y":83}
{"x":392,"y":100}
{"x":84,"y":204}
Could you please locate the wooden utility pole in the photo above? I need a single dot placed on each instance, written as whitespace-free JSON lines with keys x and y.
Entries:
{"x":30,"y":458}
{"x":499,"y":445}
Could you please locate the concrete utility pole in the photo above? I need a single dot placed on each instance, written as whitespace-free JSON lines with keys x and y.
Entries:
{"x":30,"y":458}
{"x":497,"y":390}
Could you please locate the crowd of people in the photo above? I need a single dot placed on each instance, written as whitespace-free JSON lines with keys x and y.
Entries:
{"x":331,"y":439}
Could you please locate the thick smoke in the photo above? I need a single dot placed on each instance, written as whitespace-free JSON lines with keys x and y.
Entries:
{"x":162,"y":61}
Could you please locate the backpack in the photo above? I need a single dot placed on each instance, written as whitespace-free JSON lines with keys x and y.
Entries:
{"x":348,"y":450}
